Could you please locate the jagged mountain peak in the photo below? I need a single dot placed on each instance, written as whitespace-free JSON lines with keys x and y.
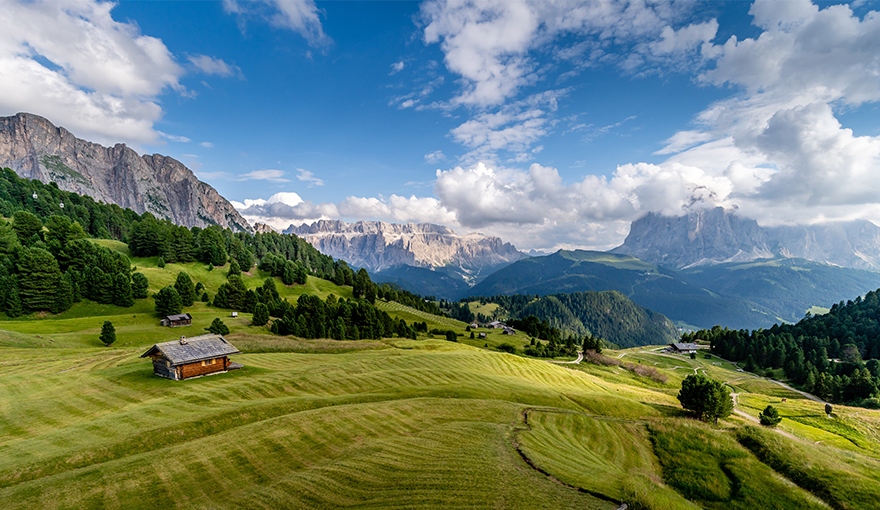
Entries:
{"x":37,"y":149}
{"x":378,"y":245}
{"x":698,"y":237}
{"x":368,"y":227}
{"x":714,"y":236}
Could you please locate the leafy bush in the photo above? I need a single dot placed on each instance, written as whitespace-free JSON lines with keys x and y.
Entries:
{"x":506,"y":347}
{"x":769,"y":416}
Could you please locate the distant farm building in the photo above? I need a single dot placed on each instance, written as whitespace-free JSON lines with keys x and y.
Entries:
{"x":682,"y":348}
{"x":192,"y":357}
{"x":181,"y":319}
{"x":234,"y":314}
{"x":474,"y":325}
{"x":482,"y":335}
{"x":509,"y":331}
{"x":497,"y":325}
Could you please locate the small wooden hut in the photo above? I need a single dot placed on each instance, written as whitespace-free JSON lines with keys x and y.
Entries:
{"x":192,"y":357}
{"x":181,"y":319}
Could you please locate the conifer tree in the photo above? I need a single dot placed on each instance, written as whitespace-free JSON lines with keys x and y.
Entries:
{"x":64,"y":295}
{"x":12,"y":306}
{"x":261,"y":315}
{"x":185,"y":288}
{"x":122,"y":294}
{"x":769,"y":416}
{"x":139,"y":285}
{"x":108,"y":333}
{"x":707,"y":398}
{"x":168,"y":302}
{"x":38,"y":279}
{"x":26,"y":226}
{"x":234,"y":268}
{"x":217,"y":327}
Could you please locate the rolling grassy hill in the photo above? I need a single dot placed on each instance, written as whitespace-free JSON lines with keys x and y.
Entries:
{"x":402,"y":423}
{"x":394,"y":424}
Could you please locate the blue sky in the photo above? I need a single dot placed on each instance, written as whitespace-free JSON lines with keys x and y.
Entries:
{"x":550,"y":124}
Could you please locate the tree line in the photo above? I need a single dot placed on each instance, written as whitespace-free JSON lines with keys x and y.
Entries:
{"x":90,"y":271}
{"x":834,"y":355}
{"x":608,"y":315}
{"x":49,"y":266}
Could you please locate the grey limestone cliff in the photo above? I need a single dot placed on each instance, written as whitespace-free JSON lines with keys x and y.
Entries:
{"x":714,"y":236}
{"x":378,"y":245}
{"x":36,"y":149}
{"x":699,"y":237}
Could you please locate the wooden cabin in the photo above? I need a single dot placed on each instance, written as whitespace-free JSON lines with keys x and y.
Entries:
{"x":192,"y":357}
{"x":682,"y":348}
{"x":181,"y":319}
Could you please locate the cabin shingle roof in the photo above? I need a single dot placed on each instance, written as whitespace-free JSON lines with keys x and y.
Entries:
{"x":685,"y":346}
{"x":179,"y":317}
{"x":197,"y":348}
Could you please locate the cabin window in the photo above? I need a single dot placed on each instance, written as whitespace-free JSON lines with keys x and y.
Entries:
{"x":208,"y":362}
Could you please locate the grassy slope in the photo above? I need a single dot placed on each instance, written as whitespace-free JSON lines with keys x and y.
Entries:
{"x":394,"y":423}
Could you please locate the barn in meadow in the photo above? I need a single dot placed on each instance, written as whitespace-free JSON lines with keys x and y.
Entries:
{"x":192,"y":357}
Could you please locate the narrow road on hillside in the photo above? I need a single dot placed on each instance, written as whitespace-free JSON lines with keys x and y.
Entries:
{"x":578,"y":360}
{"x":806,"y":395}
{"x":754,"y":419}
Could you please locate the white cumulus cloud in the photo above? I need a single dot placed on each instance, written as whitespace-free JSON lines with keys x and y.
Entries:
{"x":71,"y":62}
{"x":216,"y":66}
{"x":300,"y":16}
{"x":270,"y":175}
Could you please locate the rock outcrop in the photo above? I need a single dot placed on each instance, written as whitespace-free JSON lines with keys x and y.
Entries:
{"x":377,"y":245}
{"x":715,"y":236}
{"x":36,"y":149}
{"x":699,"y":237}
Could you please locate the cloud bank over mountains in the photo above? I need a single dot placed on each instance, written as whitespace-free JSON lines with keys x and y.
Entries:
{"x":775,"y":148}
{"x":781,"y":146}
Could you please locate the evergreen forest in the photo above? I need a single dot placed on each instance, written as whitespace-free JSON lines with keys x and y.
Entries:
{"x":833,"y":356}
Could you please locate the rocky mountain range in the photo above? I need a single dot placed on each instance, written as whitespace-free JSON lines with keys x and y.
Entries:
{"x":36,"y":149}
{"x":379,"y":246}
{"x":716,"y":236}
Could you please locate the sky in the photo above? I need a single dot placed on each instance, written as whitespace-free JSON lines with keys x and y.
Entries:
{"x":552,"y":124}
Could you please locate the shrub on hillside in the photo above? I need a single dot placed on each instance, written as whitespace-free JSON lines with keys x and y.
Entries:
{"x":769,"y":416}
{"x":506,"y":347}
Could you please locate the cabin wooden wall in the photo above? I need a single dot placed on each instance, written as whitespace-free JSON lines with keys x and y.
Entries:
{"x":196,"y":369}
{"x":160,"y":368}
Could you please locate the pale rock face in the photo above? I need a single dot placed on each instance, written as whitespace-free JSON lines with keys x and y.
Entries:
{"x":715,"y":236}
{"x":36,"y":149}
{"x":378,"y":245}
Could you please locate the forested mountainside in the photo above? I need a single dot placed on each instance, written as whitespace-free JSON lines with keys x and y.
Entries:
{"x":834,"y":355}
{"x":47,"y":265}
{"x":36,"y":149}
{"x":608,"y":315}
{"x":787,"y":287}
{"x":648,"y":285}
{"x":426,"y":282}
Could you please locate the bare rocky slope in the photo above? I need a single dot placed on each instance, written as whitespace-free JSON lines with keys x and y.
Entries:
{"x":378,"y":246}
{"x":717,"y":236}
{"x":36,"y":149}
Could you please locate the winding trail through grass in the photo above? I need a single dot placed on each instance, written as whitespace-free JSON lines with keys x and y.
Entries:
{"x":574,"y":362}
{"x":754,"y":419}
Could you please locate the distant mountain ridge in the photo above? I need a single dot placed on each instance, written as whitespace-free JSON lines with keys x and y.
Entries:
{"x":36,"y":149}
{"x":380,"y":246}
{"x":717,"y":236}
{"x":648,"y":285}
